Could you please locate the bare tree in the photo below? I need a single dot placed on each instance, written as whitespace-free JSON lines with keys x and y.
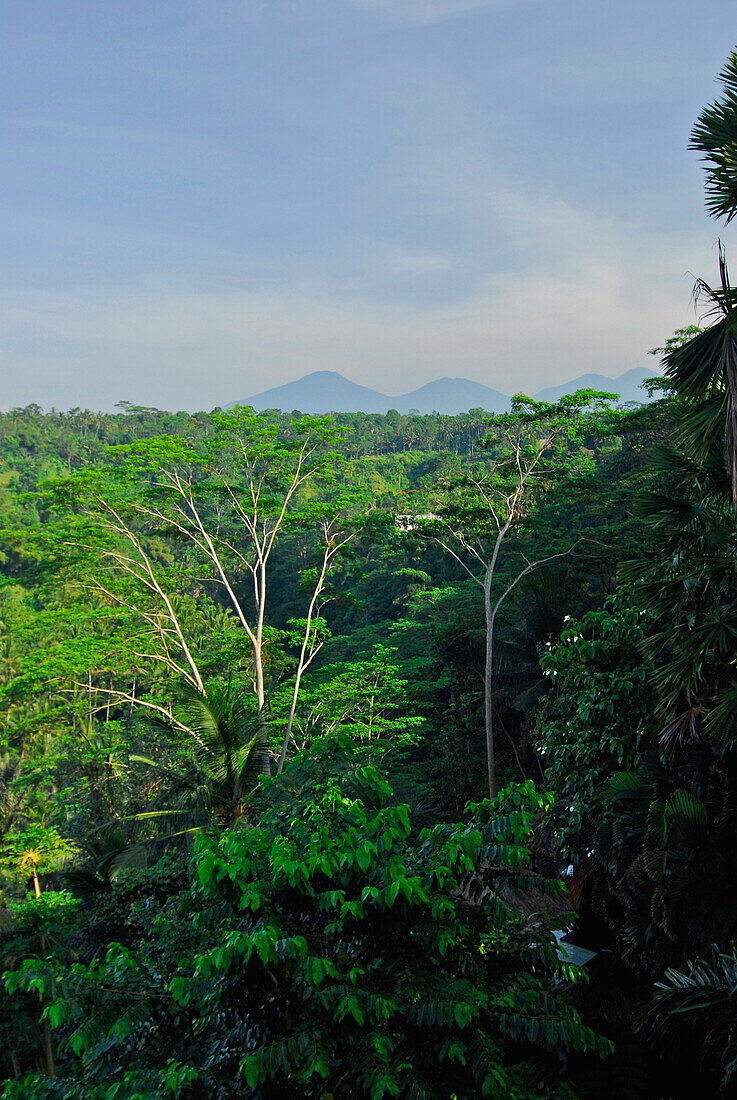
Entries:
{"x":312,"y":641}
{"x":502,"y":496}
{"x":231,"y":507}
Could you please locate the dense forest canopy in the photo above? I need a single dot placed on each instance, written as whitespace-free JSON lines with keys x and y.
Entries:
{"x":329,"y":743}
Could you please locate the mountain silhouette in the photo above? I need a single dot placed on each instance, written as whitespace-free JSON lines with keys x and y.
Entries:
{"x":627,"y":385}
{"x":327,"y":391}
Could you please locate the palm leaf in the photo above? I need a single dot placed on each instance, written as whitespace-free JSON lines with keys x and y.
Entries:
{"x":697,"y":1006}
{"x":715,"y":135}
{"x":227,"y":753}
{"x":704,"y":373}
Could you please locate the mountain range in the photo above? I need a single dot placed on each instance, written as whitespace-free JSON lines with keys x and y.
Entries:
{"x":327,"y":391}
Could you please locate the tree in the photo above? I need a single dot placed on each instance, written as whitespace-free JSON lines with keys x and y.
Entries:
{"x":227,"y":503}
{"x":534,"y":442}
{"x":37,"y":850}
{"x":596,"y":719}
{"x":32,"y":951}
{"x":691,"y":1018}
{"x":366,"y":700}
{"x":703,"y":372}
{"x":715,"y":135}
{"x":681,"y":806}
{"x":227,"y":755}
{"x":31,"y":852}
{"x":338,"y":951}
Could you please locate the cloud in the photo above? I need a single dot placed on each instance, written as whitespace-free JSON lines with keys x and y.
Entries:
{"x":540,"y":291}
{"x":430,"y":11}
{"x":406,"y":12}
{"x":197,"y":350}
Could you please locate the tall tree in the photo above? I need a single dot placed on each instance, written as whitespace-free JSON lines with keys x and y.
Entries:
{"x":179,"y":516}
{"x":530,"y":446}
{"x":703,"y":372}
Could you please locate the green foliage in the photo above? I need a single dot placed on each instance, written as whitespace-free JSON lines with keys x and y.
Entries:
{"x":223,"y":754}
{"x":453,"y":992}
{"x":364,"y":699}
{"x":692,"y":591}
{"x":32,"y":952}
{"x":670,"y":847}
{"x":681,"y":336}
{"x":691,"y":1017}
{"x":597,"y":717}
{"x":690,"y":584}
{"x":715,"y":135}
{"x":340,"y":951}
{"x":34,"y":851}
{"x":675,"y":814}
{"x":335,"y":934}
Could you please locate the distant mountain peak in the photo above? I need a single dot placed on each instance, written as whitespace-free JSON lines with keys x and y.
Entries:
{"x":627,"y":385}
{"x":326,"y":374}
{"x":325,"y":391}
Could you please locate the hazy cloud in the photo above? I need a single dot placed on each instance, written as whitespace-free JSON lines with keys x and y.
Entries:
{"x":429,"y":11}
{"x":568,"y":291}
{"x":207,"y":199}
{"x":202,"y":350}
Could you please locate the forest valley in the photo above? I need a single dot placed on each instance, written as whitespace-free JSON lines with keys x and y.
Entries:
{"x":325,"y":740}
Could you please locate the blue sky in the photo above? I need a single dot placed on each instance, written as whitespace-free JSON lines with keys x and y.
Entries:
{"x":205,"y":198}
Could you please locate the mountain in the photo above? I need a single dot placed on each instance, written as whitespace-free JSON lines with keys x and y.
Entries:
{"x":451,"y":396}
{"x":627,"y":385}
{"x":326,"y":391}
{"x":323,"y":391}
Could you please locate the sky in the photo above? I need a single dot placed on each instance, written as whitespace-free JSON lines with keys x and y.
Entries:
{"x":201,"y":199}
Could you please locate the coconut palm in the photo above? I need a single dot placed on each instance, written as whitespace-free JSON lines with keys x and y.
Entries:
{"x":225,"y":753}
{"x":705,"y":369}
{"x":703,"y":372}
{"x":715,"y":135}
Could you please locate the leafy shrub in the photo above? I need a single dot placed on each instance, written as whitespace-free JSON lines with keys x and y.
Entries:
{"x":340,"y":952}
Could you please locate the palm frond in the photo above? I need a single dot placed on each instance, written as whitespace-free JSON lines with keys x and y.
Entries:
{"x":682,"y":730}
{"x":715,"y":135}
{"x":704,"y":373}
{"x":696,"y":1006}
{"x":224,"y":758}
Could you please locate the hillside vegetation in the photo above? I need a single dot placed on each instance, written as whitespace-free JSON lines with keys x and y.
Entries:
{"x":329,"y":742}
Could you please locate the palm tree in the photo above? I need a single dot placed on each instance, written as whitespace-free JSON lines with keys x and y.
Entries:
{"x":689,"y":586}
{"x":703,"y":372}
{"x":715,"y":135}
{"x":675,"y":895}
{"x":225,"y":755}
{"x":705,"y":369}
{"x":693,"y":1011}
